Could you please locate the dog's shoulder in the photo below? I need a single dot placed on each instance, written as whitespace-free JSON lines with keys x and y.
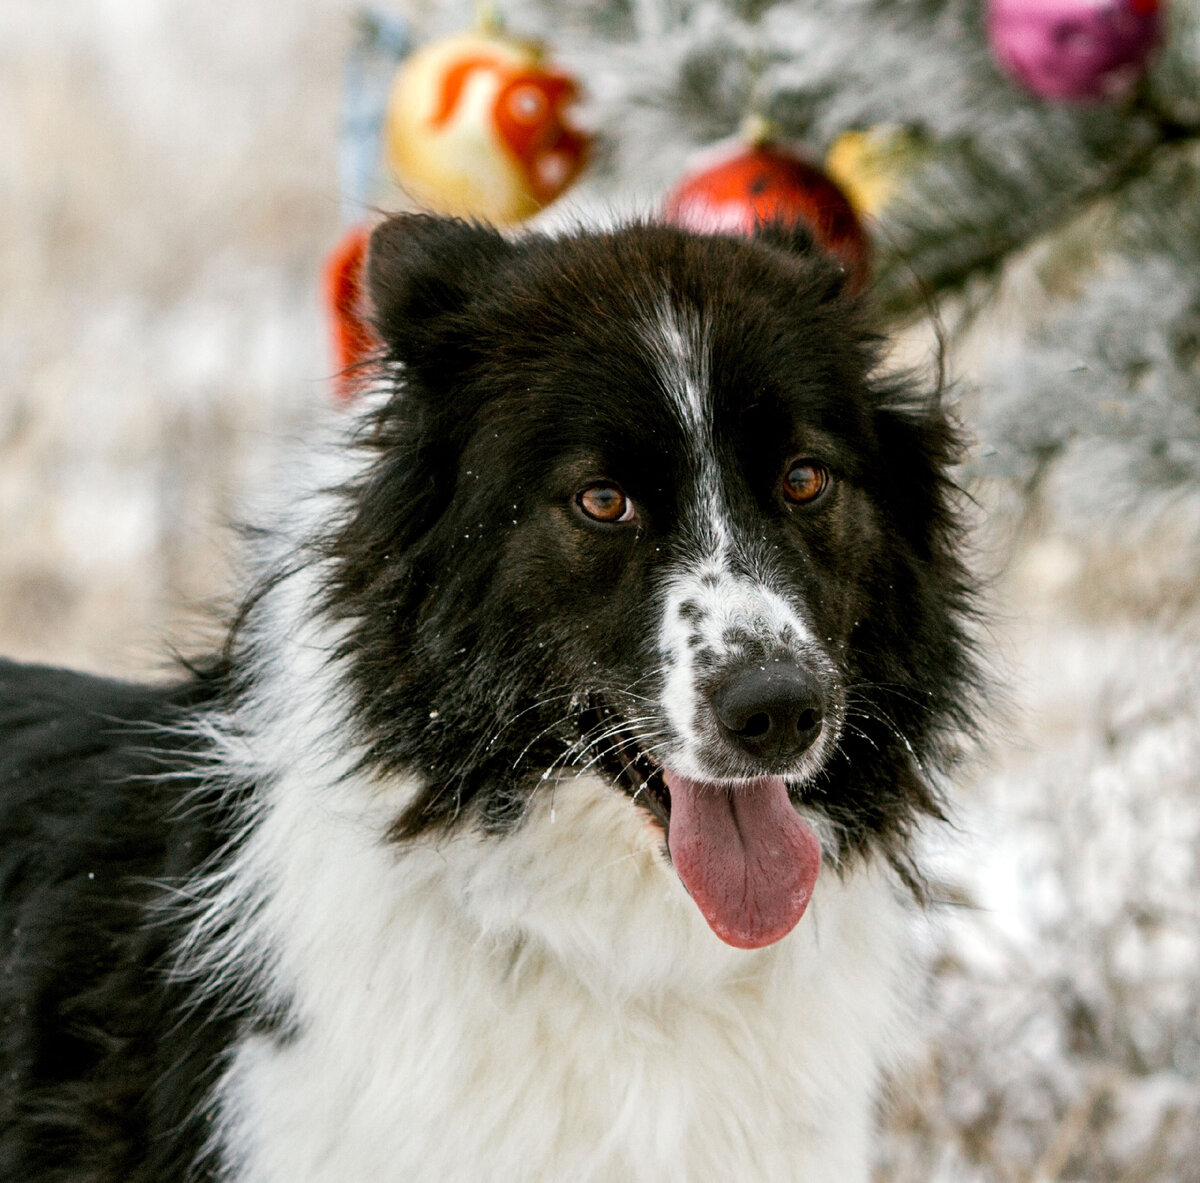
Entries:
{"x":93,"y":773}
{"x":88,"y":765}
{"x":82,"y":758}
{"x":51,"y":718}
{"x":29,"y":693}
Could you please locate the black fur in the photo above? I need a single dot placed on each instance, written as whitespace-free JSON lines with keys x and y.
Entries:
{"x":518,"y":382}
{"x":106,"y":1063}
{"x":473,"y":597}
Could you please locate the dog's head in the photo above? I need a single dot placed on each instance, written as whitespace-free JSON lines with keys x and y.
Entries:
{"x":639,"y":502}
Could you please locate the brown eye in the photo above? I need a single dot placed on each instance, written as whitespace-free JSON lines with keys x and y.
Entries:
{"x":605,"y":503}
{"x":805,"y":481}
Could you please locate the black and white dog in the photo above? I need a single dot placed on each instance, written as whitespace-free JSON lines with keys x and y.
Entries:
{"x":547,"y":816}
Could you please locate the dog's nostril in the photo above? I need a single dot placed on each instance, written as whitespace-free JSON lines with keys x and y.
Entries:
{"x":756,"y":725}
{"x":808,"y":719}
{"x":770,"y":712}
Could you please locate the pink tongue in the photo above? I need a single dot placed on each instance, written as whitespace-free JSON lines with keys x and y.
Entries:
{"x":747,"y":857}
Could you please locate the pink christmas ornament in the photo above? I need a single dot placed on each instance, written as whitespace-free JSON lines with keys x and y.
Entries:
{"x":1074,"y":49}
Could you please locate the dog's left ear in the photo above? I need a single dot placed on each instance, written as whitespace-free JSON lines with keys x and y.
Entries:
{"x":422,"y":268}
{"x":793,"y":238}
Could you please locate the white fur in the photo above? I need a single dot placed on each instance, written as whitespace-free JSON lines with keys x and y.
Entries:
{"x":516,"y":1011}
{"x":679,"y":346}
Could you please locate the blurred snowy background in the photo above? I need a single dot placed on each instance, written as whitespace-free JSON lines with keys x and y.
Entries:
{"x":168,"y":188}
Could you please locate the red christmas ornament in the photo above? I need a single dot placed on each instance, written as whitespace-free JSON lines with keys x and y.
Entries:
{"x":342,"y":292}
{"x":1074,"y":49}
{"x":755,"y":183}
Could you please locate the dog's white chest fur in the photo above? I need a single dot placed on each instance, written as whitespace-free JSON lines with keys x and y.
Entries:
{"x":547,"y":1006}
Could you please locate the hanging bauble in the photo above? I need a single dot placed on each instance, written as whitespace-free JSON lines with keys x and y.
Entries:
{"x":740,"y":187}
{"x":353,"y":341}
{"x":477,"y":126}
{"x":1081,"y":50}
{"x":871,"y":166}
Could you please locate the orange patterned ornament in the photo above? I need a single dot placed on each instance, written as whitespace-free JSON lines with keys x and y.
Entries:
{"x":477,"y":126}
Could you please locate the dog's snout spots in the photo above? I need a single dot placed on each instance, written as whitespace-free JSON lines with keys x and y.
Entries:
{"x":719,"y":627}
{"x":739,"y":639}
{"x":772,"y":712}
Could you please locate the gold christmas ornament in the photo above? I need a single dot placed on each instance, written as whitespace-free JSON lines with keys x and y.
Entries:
{"x":872,"y":165}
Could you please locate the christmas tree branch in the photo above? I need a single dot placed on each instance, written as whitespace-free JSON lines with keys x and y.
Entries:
{"x":998,"y":215}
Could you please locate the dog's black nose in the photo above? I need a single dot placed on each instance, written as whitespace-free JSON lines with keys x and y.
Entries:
{"x":771,"y":711}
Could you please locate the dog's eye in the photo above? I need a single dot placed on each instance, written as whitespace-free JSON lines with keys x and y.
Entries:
{"x":605,"y":503}
{"x":805,"y":481}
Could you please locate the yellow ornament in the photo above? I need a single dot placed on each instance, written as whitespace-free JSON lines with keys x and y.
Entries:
{"x":476,"y":127}
{"x":871,"y":166}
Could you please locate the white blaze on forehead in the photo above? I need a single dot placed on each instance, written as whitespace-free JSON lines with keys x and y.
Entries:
{"x":679,"y":347}
{"x":681,"y":352}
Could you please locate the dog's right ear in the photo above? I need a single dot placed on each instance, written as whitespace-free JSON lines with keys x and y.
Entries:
{"x":422,"y":269}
